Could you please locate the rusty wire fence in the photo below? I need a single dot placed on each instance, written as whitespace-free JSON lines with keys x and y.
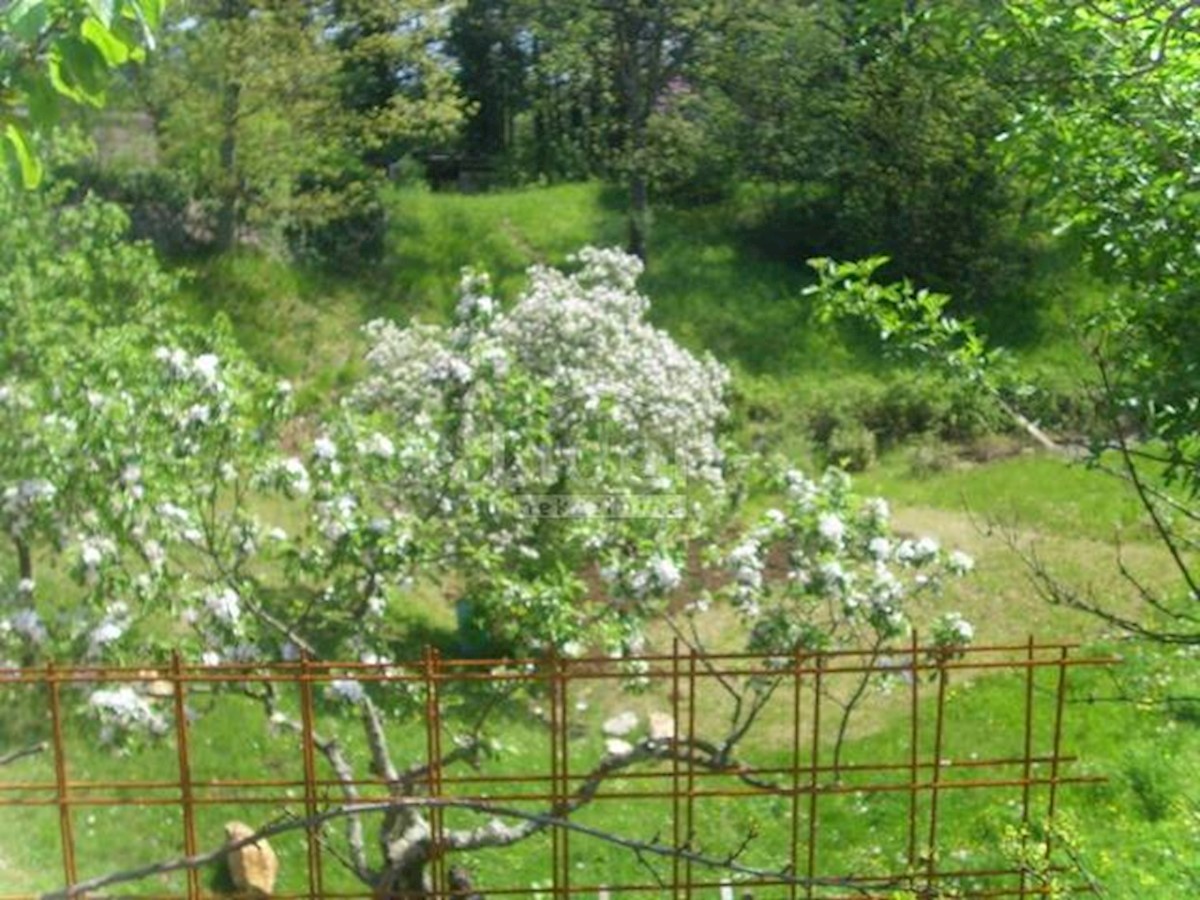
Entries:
{"x":652,"y":794}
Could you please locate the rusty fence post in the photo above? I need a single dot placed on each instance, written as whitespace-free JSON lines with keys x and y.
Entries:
{"x":691,"y":771}
{"x":813,"y":783}
{"x":914,"y":761}
{"x":935,"y":781}
{"x":794,"y":865}
{"x":559,"y":778}
{"x":433,"y":749}
{"x":66,"y":833}
{"x":676,"y":772}
{"x":1056,"y":754}
{"x":190,"y":846}
{"x":316,"y":885}
{"x":1027,"y":763}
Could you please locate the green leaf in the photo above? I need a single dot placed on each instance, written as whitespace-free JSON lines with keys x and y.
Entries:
{"x":114,"y":50}
{"x":104,"y":10}
{"x":27,"y":161}
{"x":43,"y":102}
{"x":78,"y":71}
{"x":26,"y":18}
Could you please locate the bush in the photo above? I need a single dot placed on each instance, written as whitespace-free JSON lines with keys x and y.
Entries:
{"x":852,"y":447}
{"x":158,"y":202}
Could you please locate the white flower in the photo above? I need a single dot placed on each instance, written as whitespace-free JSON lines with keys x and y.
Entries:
{"x":877,"y":508}
{"x":210,"y":658}
{"x":666,"y":573}
{"x":91,"y":554}
{"x":224,"y":605}
{"x":347,"y":690}
{"x":197,"y":414}
{"x":105,"y":633}
{"x":379,"y":445}
{"x":296,"y":474}
{"x":953,"y":629}
{"x":832,"y":528}
{"x":960,"y":563}
{"x":324,"y":448}
{"x":205,"y":366}
{"x":28,"y":623}
{"x":124,"y":708}
{"x":879,"y":547}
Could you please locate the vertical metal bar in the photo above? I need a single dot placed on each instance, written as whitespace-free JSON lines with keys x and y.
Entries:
{"x":564,"y":769}
{"x":316,"y":881}
{"x":66,"y":834}
{"x":936,"y":777}
{"x":676,"y":774}
{"x":433,"y":739}
{"x":1027,"y":760}
{"x":556,"y":734}
{"x":691,"y":768}
{"x":1059,"y":700}
{"x":185,"y":776}
{"x":914,"y":753}
{"x":797,"y":665}
{"x":813,"y":786}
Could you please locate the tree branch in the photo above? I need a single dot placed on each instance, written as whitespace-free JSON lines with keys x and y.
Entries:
{"x":649,"y":848}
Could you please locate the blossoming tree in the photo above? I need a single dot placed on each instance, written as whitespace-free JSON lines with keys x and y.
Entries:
{"x":555,"y":466}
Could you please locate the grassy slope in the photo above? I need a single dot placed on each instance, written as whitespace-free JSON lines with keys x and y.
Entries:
{"x":712,"y":291}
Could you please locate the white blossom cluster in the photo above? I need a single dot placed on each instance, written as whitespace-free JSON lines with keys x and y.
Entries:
{"x":584,"y":337}
{"x":840,"y":574}
{"x":122,"y":710}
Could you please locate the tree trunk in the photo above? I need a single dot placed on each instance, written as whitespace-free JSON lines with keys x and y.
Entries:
{"x":24,"y":560}
{"x":231,"y":97}
{"x":227,"y":215}
{"x":406,"y":882}
{"x":639,"y":212}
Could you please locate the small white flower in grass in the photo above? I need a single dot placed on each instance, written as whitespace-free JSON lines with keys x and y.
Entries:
{"x":347,"y":690}
{"x":210,"y":658}
{"x":879,"y":547}
{"x":25,"y":587}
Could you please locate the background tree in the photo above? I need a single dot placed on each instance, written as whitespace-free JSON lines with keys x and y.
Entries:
{"x":285,"y":115}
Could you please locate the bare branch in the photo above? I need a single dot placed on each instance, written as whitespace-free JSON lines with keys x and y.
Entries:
{"x":332,"y":751}
{"x":648,"y":848}
{"x":32,"y":750}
